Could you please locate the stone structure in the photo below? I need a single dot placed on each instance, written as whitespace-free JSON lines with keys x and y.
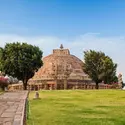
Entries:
{"x":120,"y":78}
{"x":41,"y":86}
{"x":60,"y":71}
{"x":120,"y":81}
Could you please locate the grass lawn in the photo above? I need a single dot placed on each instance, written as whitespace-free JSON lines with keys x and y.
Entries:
{"x":78,"y":107}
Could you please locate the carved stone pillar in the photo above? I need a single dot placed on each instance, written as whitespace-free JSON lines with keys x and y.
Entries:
{"x":56,"y":84}
{"x":65,"y":83}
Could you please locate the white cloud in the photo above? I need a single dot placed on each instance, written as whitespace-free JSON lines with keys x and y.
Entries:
{"x":112,"y":46}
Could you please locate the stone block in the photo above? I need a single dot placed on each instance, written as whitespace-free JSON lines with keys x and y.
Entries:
{"x":16,"y":122}
{"x":7,"y":123}
{"x":7,"y":115}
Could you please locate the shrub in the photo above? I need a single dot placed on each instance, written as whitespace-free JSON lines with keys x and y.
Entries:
{"x":3,"y":82}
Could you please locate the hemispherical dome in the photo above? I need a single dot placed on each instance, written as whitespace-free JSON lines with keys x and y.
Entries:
{"x":59,"y":60}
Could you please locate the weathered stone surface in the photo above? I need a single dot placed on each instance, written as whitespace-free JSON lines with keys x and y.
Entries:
{"x":7,"y":119}
{"x":11,"y":110}
{"x":10,"y":103}
{"x":16,"y":122}
{"x":63,"y":58}
{"x":1,"y":120}
{"x":13,"y":106}
{"x":7,"y":123}
{"x":17,"y":117}
{"x":7,"y":115}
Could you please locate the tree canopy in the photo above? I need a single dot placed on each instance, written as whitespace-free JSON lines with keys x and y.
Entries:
{"x":99,"y":67}
{"x":20,"y":60}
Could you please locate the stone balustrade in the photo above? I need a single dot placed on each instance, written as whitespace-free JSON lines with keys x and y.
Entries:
{"x":59,"y":87}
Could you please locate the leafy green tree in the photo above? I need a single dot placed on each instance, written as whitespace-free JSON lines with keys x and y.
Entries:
{"x":115,"y":79}
{"x":99,"y":67}
{"x":21,"y":60}
{"x":109,"y":70}
{"x":1,"y":51}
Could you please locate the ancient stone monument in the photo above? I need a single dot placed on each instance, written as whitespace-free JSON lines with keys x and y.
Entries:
{"x":120,"y":81}
{"x":60,"y":70}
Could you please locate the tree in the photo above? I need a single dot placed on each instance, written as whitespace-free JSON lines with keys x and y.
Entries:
{"x":1,"y":66}
{"x":3,"y":82}
{"x":21,"y":60}
{"x":99,"y":67}
{"x":114,"y":79}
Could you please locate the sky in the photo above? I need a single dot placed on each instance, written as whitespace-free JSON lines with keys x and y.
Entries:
{"x":77,"y":24}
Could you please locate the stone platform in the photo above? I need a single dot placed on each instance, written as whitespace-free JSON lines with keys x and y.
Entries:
{"x":12,"y":108}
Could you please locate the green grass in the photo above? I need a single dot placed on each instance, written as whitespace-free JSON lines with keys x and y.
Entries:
{"x":78,"y":107}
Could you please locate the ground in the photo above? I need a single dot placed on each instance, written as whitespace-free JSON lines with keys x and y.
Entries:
{"x":77,"y":107}
{"x":1,"y":91}
{"x":12,"y":107}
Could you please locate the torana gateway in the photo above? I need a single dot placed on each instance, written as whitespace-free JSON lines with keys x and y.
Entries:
{"x":61,"y":70}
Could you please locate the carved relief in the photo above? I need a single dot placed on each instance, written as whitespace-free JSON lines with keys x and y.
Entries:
{"x":61,"y":65}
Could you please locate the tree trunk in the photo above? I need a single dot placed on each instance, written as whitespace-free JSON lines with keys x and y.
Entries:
{"x":25,"y":84}
{"x":97,"y":85}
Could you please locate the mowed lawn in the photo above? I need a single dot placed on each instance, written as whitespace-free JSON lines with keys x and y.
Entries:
{"x":77,"y":107}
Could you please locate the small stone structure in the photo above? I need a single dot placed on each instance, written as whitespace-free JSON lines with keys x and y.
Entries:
{"x":36,"y":95}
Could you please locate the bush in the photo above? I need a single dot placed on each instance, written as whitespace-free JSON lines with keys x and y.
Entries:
{"x":115,"y":86}
{"x":3,"y":82}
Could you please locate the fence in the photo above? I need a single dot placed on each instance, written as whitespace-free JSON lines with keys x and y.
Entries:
{"x":59,"y":86}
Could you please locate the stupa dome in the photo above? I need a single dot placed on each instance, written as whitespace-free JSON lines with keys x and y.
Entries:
{"x":62,"y":61}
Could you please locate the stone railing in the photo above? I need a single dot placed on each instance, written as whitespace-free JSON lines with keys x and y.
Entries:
{"x":33,"y":87}
{"x":15,"y":87}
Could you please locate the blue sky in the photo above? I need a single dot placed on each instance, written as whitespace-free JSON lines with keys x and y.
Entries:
{"x":78,"y":24}
{"x":62,"y":18}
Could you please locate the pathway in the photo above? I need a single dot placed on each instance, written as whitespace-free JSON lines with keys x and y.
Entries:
{"x":12,"y":108}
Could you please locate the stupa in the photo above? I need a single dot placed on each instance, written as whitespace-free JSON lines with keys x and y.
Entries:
{"x":60,"y":70}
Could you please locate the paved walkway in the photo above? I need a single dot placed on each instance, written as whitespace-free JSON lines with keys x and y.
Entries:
{"x":12,"y":108}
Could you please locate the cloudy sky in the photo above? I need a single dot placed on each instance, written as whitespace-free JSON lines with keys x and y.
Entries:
{"x":78,"y":24}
